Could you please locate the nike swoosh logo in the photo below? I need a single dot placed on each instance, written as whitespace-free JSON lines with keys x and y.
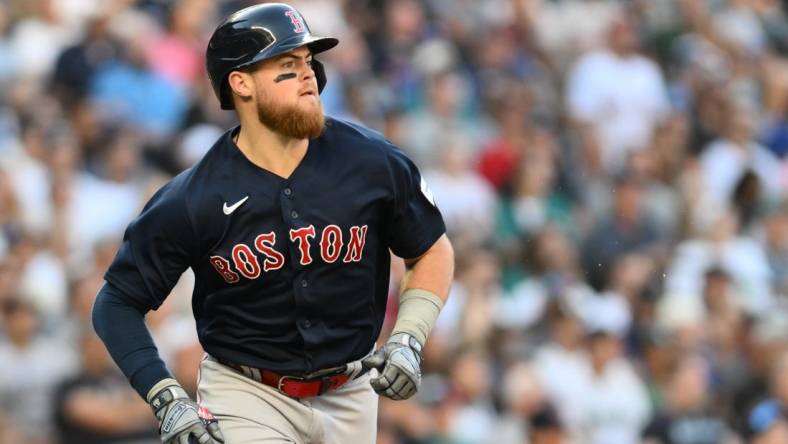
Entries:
{"x":229,"y":210}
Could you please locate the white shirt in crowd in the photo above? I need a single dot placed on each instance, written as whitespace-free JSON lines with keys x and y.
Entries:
{"x":36,"y":45}
{"x":612,"y":407}
{"x":742,"y":257}
{"x":473,"y":423}
{"x":32,"y":187}
{"x":564,"y":26}
{"x":723,"y":164}
{"x":89,"y":222}
{"x":27,"y":378}
{"x":49,"y":295}
{"x":561,"y":372}
{"x":624,"y":98}
{"x":468,"y":202}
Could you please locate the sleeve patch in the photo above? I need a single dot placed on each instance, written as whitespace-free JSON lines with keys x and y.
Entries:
{"x":427,"y":192}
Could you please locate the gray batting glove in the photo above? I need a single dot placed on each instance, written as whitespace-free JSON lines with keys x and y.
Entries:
{"x":181,"y":420}
{"x":399,"y":364}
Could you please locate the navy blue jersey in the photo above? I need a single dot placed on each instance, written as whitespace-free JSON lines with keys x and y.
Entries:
{"x":291,"y":274}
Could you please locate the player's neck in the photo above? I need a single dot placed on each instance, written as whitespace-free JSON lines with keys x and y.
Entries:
{"x":270,"y":150}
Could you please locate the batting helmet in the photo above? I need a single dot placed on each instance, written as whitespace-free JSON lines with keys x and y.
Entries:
{"x":257,"y":33}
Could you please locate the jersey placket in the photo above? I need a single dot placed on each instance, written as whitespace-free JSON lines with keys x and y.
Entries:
{"x":293,"y":221}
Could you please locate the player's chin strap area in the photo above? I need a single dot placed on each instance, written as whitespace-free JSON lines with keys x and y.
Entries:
{"x":302,"y":386}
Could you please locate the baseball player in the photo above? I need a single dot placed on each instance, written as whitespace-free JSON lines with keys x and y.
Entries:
{"x":287,"y":222}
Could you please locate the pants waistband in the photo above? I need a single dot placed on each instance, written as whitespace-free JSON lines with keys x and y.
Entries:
{"x":312,"y":384}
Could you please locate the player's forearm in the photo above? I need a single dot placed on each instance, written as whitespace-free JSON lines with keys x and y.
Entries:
{"x":122,"y":328}
{"x":425,"y":289}
{"x":433,"y":271}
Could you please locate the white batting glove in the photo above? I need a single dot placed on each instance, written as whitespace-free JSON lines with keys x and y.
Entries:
{"x":181,"y":420}
{"x":399,"y":364}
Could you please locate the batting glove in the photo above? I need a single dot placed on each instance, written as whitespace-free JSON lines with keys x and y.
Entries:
{"x":181,"y":420}
{"x":399,"y":364}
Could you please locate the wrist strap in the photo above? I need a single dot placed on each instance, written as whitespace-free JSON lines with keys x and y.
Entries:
{"x":164,"y":392}
{"x":406,"y":339}
{"x":418,"y":310}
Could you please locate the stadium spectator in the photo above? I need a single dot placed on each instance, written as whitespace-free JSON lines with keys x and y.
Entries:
{"x":689,"y":415}
{"x":97,"y":405}
{"x":619,"y":93}
{"x":611,"y":403}
{"x":610,"y":167}
{"x":32,"y":365}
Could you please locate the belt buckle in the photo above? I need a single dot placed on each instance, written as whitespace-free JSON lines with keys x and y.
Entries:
{"x":282,"y":379}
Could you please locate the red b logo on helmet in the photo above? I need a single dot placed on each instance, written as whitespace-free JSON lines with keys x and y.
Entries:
{"x":298,"y":25}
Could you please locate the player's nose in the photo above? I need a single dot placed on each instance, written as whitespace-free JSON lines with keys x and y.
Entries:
{"x":308,"y":72}
{"x":308,"y":75}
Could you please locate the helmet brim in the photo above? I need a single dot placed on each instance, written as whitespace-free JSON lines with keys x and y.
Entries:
{"x":315,"y":44}
{"x":320,"y":44}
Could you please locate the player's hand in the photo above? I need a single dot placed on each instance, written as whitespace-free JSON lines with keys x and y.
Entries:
{"x":399,"y":364}
{"x":181,"y":420}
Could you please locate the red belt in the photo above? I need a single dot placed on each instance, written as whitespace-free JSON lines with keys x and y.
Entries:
{"x":296,"y":386}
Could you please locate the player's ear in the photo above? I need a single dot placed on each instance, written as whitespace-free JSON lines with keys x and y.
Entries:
{"x":241,"y":85}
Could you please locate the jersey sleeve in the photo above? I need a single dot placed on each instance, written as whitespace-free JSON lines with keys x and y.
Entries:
{"x":157,"y":248}
{"x":417,"y":223}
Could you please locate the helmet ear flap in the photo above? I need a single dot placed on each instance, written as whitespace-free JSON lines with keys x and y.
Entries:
{"x":320,"y":74}
{"x":225,"y":96}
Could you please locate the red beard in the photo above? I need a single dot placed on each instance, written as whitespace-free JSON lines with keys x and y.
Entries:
{"x":291,"y":121}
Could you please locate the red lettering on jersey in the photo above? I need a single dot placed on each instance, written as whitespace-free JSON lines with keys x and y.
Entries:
{"x":222,"y":266}
{"x":330,"y":243}
{"x":355,"y":247}
{"x":265,"y":244}
{"x":303,"y":235}
{"x":298,"y":25}
{"x":246,"y":262}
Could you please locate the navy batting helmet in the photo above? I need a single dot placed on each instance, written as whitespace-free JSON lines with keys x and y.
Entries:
{"x":257,"y":33}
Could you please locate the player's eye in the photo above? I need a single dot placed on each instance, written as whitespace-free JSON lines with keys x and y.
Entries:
{"x":289,"y":64}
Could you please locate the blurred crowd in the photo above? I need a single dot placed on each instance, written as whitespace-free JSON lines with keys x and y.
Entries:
{"x":613,"y":175}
